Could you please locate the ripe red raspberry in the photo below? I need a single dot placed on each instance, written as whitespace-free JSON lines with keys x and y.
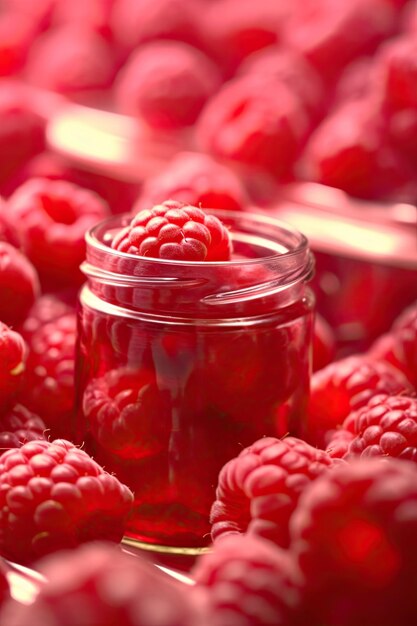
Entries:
{"x":46,"y":308}
{"x":13,"y":354}
{"x":235,"y":33}
{"x":344,"y":386}
{"x":166,"y":84}
{"x":22,"y":132}
{"x":259,"y":489}
{"x":292,"y":69}
{"x":399,"y":345}
{"x":49,"y":388}
{"x":18,"y":426}
{"x":386,"y":426}
{"x":195,"y":179}
{"x":257,"y":121}
{"x":135,"y":22}
{"x":19,"y":285}
{"x":54,"y":496}
{"x":51,"y":218}
{"x":173,"y":230}
{"x":98,"y":584}
{"x":354,"y":535}
{"x":120,"y":408}
{"x":72,"y":60}
{"x":249,"y":581}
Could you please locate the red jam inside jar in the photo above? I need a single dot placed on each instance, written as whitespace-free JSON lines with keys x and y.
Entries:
{"x":182,"y":364}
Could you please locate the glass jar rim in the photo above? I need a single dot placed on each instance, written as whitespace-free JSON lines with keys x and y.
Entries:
{"x":300,"y":244}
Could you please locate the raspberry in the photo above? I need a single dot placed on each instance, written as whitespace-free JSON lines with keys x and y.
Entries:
{"x":354,"y":535}
{"x":331,"y":35}
{"x":49,"y":388}
{"x":19,"y":426}
{"x":249,"y":581}
{"x":396,"y":68}
{"x":135,"y":22}
{"x":399,"y":345}
{"x":292,"y":69}
{"x":121,"y":407}
{"x":257,"y":121}
{"x":71,"y":60}
{"x":98,"y":584}
{"x":46,"y":308}
{"x":16,"y":36}
{"x":19,"y":284}
{"x":173,"y":230}
{"x":344,"y":386}
{"x":195,"y":179}
{"x":166,"y":84}
{"x":13,"y":353}
{"x":54,"y":496}
{"x":259,"y":489}
{"x":386,"y":426}
{"x":51,"y":219}
{"x":234,"y":34}
{"x":22,"y":133}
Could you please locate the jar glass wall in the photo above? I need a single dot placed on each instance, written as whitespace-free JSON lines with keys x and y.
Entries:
{"x":183,"y":364}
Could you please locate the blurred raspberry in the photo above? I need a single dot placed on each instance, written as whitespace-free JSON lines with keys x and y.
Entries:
{"x":258,"y":490}
{"x":324,"y":343}
{"x":344,"y":386}
{"x":97,"y":585}
{"x":386,"y":426}
{"x":356,"y":81}
{"x":71,"y":60}
{"x":235,"y":33}
{"x":21,"y":132}
{"x":19,"y":285}
{"x":46,"y":308}
{"x":166,"y":84}
{"x":51,"y":218}
{"x":49,"y":379}
{"x":399,"y":345}
{"x":54,"y":496}
{"x":173,"y":230}
{"x":354,"y":535}
{"x":249,"y":581}
{"x":289,"y":67}
{"x":136,"y":22}
{"x":396,"y":69}
{"x":13,"y":354}
{"x":120,"y":408}
{"x":195,"y":179}
{"x":257,"y":121}
{"x":18,"y":426}
{"x":330,"y":35}
{"x":17,"y":34}
{"x":95,"y":15}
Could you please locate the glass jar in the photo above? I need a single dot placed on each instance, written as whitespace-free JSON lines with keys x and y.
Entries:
{"x":182,"y":364}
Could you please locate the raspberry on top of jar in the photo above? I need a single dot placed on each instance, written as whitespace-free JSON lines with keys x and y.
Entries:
{"x":178,"y":231}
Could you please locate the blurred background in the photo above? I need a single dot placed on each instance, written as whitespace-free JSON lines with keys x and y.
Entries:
{"x":306,"y":110}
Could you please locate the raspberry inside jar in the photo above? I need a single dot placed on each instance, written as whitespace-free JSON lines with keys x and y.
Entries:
{"x":181,"y":363}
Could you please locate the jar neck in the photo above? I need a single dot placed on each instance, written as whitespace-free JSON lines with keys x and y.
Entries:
{"x":272,"y":266}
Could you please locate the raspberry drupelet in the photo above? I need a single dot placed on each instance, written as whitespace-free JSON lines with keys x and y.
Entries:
{"x":173,"y":230}
{"x":18,"y":426}
{"x":258,"y":490}
{"x":54,"y":496}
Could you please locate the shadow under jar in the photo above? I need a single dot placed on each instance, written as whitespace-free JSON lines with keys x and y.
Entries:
{"x":182,"y":364}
